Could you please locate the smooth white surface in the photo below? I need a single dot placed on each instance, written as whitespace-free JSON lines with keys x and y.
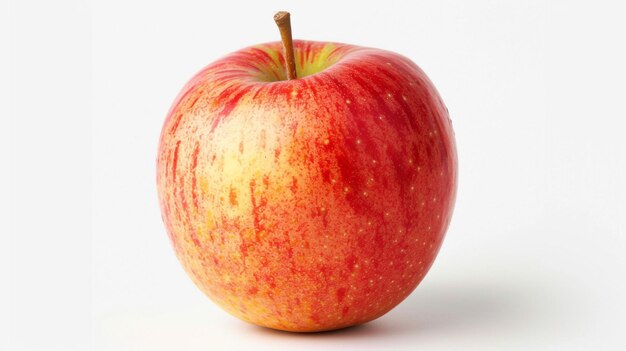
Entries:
{"x":45,"y":175}
{"x":534,"y":258}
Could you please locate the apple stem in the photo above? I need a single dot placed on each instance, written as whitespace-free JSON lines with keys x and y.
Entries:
{"x":283,"y":21}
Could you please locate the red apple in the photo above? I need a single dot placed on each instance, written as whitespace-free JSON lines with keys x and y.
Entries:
{"x":313,"y":203}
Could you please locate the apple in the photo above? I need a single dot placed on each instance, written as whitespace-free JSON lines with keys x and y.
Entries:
{"x":311,"y":203}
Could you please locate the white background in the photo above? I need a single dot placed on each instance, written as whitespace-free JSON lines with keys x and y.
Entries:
{"x":534,"y":258}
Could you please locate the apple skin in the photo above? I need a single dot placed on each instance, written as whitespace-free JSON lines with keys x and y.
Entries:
{"x":310,"y":204}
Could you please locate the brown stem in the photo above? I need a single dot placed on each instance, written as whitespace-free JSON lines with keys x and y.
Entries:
{"x":282,"y":19}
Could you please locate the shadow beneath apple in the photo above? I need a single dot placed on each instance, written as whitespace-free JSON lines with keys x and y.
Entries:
{"x":434,"y":310}
{"x":458,"y":309}
{"x":356,"y":330}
